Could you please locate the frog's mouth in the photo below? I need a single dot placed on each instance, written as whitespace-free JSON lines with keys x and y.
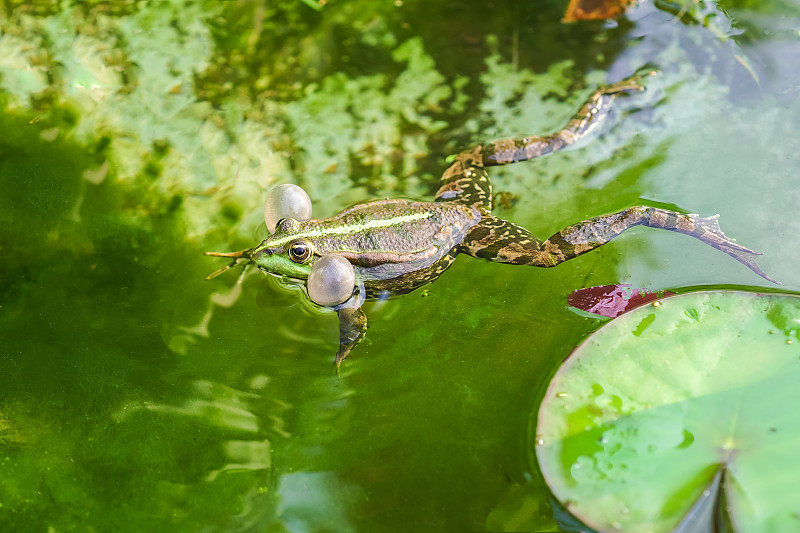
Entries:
{"x":237,"y":256}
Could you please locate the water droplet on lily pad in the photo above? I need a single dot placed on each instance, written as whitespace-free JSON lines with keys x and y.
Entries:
{"x":712,"y":433}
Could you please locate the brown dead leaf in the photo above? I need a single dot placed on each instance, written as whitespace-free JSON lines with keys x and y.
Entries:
{"x":596,"y":9}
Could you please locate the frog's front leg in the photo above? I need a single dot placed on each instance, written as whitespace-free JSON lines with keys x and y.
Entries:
{"x":352,"y":327}
{"x":504,"y":242}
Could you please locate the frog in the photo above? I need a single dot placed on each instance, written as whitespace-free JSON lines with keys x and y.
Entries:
{"x":396,"y":246}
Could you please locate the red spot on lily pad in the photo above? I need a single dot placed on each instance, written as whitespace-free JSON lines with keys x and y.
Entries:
{"x":613,"y":300}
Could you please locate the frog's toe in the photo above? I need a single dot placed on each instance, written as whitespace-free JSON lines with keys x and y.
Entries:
{"x":631,"y":84}
{"x":711,"y":225}
{"x":707,"y":230}
{"x":343,"y":352}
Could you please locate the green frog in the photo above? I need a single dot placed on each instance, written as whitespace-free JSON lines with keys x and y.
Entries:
{"x":397,"y":246}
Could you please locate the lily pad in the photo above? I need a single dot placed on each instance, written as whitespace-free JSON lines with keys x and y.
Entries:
{"x":679,"y":412}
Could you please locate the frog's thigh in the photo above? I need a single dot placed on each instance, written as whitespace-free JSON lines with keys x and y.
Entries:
{"x":466,"y":182}
{"x":501,"y":241}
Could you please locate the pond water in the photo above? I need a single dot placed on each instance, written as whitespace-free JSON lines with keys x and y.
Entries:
{"x":135,"y":396}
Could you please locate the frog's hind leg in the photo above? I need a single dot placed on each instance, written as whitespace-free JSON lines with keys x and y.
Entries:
{"x":501,"y":241}
{"x":466,"y":181}
{"x":590,"y":115}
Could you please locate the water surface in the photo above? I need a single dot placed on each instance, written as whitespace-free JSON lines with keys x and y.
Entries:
{"x":135,"y":396}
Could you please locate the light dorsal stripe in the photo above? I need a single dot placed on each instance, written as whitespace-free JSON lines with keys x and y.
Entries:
{"x":321,"y":231}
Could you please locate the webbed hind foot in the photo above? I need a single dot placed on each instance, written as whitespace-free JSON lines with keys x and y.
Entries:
{"x":595,"y":232}
{"x":713,"y":236}
{"x":633,"y":83}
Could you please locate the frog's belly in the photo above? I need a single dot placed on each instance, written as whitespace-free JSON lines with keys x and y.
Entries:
{"x":405,"y":283}
{"x":390,"y":268}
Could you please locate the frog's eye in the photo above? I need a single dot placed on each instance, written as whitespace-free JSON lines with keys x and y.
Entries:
{"x":300,"y":251}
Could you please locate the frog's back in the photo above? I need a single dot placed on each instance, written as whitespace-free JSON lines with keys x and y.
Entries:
{"x":388,"y":238}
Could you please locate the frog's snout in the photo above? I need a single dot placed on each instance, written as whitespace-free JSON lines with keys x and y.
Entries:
{"x":241,"y":254}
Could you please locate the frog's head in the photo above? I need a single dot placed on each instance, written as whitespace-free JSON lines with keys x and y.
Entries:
{"x":290,"y":253}
{"x":287,"y":253}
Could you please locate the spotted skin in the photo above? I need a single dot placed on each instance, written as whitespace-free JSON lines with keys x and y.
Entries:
{"x":467,"y":182}
{"x":397,"y":246}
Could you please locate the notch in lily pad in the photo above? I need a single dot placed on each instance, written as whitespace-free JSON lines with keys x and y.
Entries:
{"x":680,"y":418}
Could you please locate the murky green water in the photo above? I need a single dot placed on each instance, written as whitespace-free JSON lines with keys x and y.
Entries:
{"x":135,"y":396}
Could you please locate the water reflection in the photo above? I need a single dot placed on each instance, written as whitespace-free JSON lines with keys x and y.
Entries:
{"x":246,"y":455}
{"x":255,"y":431}
{"x":180,"y":342}
{"x":218,"y":405}
{"x":317,"y":501}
